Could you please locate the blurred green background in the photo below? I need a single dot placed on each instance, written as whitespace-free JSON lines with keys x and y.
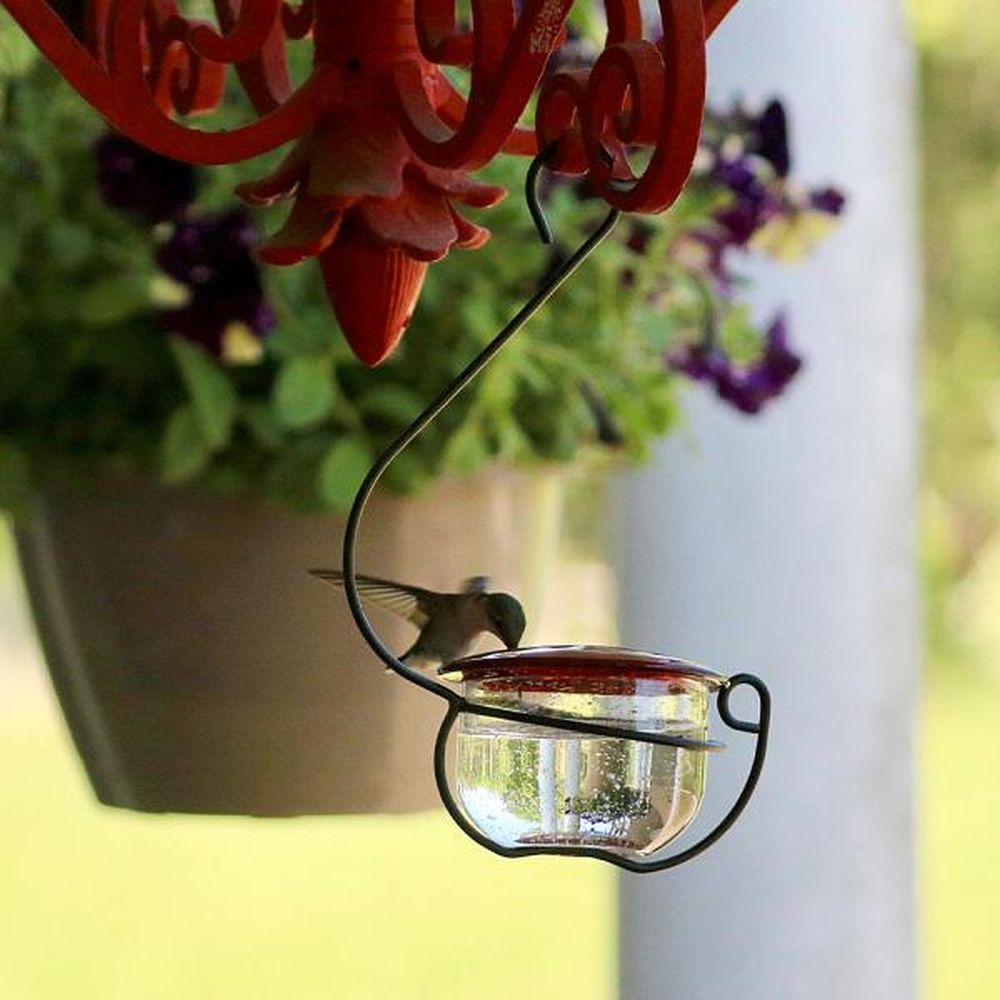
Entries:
{"x":98,"y":904}
{"x":960,"y":805}
{"x":224,"y":908}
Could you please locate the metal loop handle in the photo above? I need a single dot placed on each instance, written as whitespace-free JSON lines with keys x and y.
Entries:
{"x":745,"y":680}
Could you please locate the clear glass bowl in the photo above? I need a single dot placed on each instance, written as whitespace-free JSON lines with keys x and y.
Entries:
{"x":526,"y":785}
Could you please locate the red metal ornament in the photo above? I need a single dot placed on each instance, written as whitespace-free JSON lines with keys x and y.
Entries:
{"x":385,"y":142}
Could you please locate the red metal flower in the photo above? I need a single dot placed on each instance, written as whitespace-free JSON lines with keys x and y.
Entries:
{"x":384,"y":137}
{"x":375,"y":215}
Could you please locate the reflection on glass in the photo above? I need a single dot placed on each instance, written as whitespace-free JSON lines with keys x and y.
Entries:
{"x":528,"y":786}
{"x":524,"y":784}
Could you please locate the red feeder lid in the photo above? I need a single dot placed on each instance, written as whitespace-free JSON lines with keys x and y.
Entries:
{"x":546,"y":666}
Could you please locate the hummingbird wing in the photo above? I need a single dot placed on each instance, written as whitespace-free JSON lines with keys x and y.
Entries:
{"x":414,"y":604}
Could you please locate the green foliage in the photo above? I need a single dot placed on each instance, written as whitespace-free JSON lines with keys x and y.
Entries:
{"x":214,"y":402}
{"x":110,"y":300}
{"x":17,"y":54}
{"x":303,"y":392}
{"x":961,"y":364}
{"x":89,"y":373}
{"x":186,"y":451}
{"x":342,"y":471}
{"x":14,"y":479}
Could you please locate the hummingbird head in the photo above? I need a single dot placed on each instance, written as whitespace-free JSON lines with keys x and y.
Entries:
{"x":506,"y":617}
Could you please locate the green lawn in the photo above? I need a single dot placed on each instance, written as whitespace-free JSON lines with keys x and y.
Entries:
{"x":102,"y":905}
{"x":960,"y":840}
{"x":97,"y":903}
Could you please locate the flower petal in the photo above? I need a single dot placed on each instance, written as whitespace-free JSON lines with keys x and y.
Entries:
{"x":373,"y":290}
{"x":470,"y":236}
{"x":310,"y":228}
{"x":358,"y":155}
{"x":419,"y":221}
{"x":462,"y":186}
{"x":281,"y":182}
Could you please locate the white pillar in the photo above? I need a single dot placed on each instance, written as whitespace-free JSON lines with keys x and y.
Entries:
{"x":785,"y":546}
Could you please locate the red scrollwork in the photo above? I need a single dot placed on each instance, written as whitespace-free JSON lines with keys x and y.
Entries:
{"x":506,"y":58}
{"x":140,"y":68}
{"x":639,"y":95}
{"x":385,"y":140}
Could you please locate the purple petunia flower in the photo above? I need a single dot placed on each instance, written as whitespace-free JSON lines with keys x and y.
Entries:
{"x":763,"y":135}
{"x":206,"y":321}
{"x":213,"y":253}
{"x":213,"y":257}
{"x":741,"y":220}
{"x":768,"y":138}
{"x":828,"y":200}
{"x":740,"y":177}
{"x":142,"y":183}
{"x":748,"y":388}
{"x":696,"y":361}
{"x":714,"y":247}
{"x":639,"y":235}
{"x":753,"y":204}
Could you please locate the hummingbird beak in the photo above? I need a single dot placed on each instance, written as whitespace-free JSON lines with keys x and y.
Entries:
{"x":509,"y":633}
{"x":508,"y":640}
{"x":507,"y":620}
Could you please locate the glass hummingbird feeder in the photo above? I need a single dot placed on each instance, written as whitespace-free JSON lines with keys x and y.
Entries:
{"x":524,"y":785}
{"x":622,"y":783}
{"x":595,"y":752}
{"x":569,"y":750}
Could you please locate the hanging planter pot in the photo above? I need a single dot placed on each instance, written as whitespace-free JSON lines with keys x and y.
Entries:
{"x":202,"y":670}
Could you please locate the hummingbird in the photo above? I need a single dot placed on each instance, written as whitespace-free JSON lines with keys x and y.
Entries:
{"x":449,"y":623}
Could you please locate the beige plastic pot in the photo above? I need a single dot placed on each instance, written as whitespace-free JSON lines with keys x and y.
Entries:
{"x":201,"y":670}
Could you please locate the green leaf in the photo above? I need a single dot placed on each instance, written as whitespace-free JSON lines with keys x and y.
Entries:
{"x":498,"y":388}
{"x":292,"y":477}
{"x":478,"y":314}
{"x":303,"y":392}
{"x":396,"y":403}
{"x":511,"y":442}
{"x":15,"y":481}
{"x":185,"y":452}
{"x":112,"y":300}
{"x":213,"y":397}
{"x":69,"y":244}
{"x":408,"y":473}
{"x":536,"y":377}
{"x":262,"y":425}
{"x":466,"y":451}
{"x":17,"y":54}
{"x":343,"y":470}
{"x":10,"y":256}
{"x":739,"y":336}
